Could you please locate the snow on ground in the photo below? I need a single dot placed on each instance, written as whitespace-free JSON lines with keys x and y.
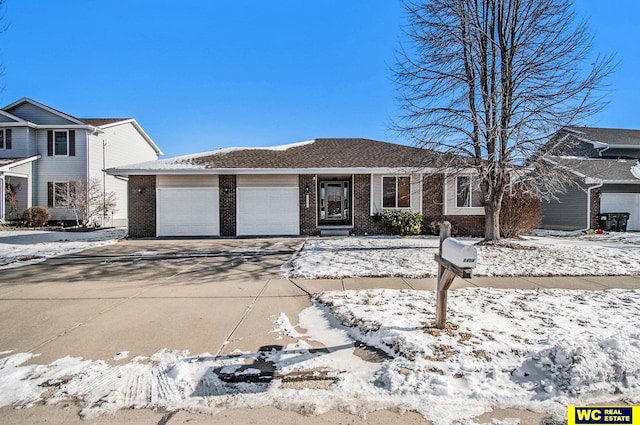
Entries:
{"x":577,"y":255}
{"x":525,"y":349}
{"x":20,"y":247}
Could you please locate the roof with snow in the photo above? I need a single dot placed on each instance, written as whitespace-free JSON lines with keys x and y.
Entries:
{"x":601,"y":169}
{"x":607,"y":136}
{"x":314,"y":154}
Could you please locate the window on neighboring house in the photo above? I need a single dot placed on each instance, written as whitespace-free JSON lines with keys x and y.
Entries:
{"x":60,"y":194}
{"x":5,"y":138}
{"x":468,"y":192}
{"x":61,"y":143}
{"x":396,"y":192}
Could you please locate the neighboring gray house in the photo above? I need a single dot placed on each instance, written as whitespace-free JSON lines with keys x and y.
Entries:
{"x":43,"y":149}
{"x":602,"y":159}
{"x":318,"y":187}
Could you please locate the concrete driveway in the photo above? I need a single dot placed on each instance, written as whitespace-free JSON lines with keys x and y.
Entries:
{"x":142,"y":296}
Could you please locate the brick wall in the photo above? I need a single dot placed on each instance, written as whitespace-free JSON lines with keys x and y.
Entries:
{"x":142,"y":206}
{"x":595,"y":207}
{"x":227,"y":205}
{"x":363,"y":222}
{"x":432,"y":211}
{"x":307,"y":215}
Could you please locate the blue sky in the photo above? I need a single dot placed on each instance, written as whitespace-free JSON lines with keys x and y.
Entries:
{"x":201,"y":75}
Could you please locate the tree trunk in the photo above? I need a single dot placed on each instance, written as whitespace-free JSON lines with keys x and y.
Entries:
{"x":492,"y":222}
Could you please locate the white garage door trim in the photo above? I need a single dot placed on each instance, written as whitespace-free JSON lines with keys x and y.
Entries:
{"x":268,"y":211}
{"x":622,"y":202}
{"x":192,"y":211}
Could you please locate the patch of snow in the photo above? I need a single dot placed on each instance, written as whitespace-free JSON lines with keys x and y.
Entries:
{"x":22,"y":247}
{"x":284,"y":326}
{"x":571,"y":255}
{"x":524,"y":349}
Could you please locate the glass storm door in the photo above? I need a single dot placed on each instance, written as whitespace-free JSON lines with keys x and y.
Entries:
{"x":334,"y":201}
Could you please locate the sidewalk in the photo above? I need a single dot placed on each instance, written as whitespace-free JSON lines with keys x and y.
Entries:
{"x":97,"y":312}
{"x":429,"y":284}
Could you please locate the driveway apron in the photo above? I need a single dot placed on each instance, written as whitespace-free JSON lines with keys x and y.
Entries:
{"x":142,"y":296}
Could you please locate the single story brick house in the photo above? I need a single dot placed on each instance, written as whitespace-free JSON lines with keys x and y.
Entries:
{"x":317,"y":187}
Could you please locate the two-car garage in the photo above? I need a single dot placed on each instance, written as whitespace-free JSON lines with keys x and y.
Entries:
{"x":190,"y":205}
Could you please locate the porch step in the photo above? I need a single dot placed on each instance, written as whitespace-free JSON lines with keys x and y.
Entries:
{"x":334,"y":232}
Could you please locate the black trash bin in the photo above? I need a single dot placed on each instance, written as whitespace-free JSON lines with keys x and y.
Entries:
{"x":613,"y":222}
{"x":605,"y":221}
{"x":623,"y":219}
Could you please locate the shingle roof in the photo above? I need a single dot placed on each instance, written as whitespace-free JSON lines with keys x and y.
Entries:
{"x":608,"y":170}
{"x":314,"y":154}
{"x":607,"y":136}
{"x":97,"y":122}
{"x":322,"y":153}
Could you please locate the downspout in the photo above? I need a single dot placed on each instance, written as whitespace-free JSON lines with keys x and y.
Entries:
{"x":2,"y":197}
{"x":597,"y":186}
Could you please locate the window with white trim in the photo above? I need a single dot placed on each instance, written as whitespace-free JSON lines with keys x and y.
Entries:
{"x":396,"y":192}
{"x":60,"y":194}
{"x":3,"y":138}
{"x":468,"y":192}
{"x":61,"y":143}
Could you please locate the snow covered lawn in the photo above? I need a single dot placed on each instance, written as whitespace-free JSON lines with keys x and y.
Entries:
{"x":540,"y":350}
{"x":615,"y":254}
{"x":20,"y":247}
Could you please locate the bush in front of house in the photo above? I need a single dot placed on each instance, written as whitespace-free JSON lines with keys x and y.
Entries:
{"x":36,"y":216}
{"x":520,"y":214}
{"x":402,"y":222}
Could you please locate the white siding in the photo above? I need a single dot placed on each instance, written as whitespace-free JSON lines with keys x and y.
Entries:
{"x":124,"y":145}
{"x":188,"y":181}
{"x":279,"y":180}
{"x":20,"y":147}
{"x":58,"y":169}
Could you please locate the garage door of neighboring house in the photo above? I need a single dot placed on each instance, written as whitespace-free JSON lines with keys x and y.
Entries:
{"x":187,"y":206}
{"x":268,"y":205}
{"x":623,"y":202}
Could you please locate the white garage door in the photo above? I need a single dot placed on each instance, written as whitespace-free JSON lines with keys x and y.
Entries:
{"x":268,"y":211}
{"x":623,"y":202}
{"x":187,"y":211}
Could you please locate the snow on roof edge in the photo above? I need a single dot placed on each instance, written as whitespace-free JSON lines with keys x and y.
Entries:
{"x":182,"y":161}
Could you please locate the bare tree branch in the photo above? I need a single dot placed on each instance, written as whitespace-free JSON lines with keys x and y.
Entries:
{"x":492,"y":81}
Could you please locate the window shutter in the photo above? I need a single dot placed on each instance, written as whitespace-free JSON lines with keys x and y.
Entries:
{"x":50,"y":194}
{"x":72,"y":143}
{"x":7,"y":135}
{"x":50,"y":143}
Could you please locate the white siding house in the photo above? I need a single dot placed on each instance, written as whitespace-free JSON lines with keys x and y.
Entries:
{"x":42,"y":148}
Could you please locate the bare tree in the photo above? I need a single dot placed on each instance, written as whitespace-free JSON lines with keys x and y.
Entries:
{"x":11,"y":197}
{"x":86,"y":200}
{"x":491,"y":81}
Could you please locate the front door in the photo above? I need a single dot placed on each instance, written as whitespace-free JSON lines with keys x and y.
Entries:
{"x":334,"y":202}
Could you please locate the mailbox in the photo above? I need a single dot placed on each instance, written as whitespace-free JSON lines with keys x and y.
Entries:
{"x":459,"y":254}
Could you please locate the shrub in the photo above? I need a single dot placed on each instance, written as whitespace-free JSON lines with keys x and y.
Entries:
{"x":520,"y":213}
{"x":402,"y":222}
{"x":36,"y":216}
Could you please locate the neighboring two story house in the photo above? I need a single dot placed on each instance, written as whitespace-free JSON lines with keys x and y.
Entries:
{"x":42,"y":150}
{"x":601,"y":158}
